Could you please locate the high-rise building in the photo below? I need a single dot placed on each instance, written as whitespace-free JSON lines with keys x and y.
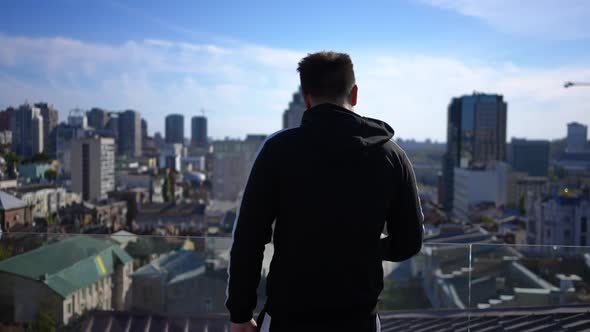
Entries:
{"x":144,"y":129}
{"x":112,"y":126}
{"x":129,"y":139}
{"x":294,"y":113}
{"x":577,"y":137}
{"x":232,"y":160}
{"x":199,"y":131}
{"x":5,"y":118}
{"x":37,"y":135}
{"x":97,"y":118}
{"x":530,"y":156}
{"x":175,"y":129}
{"x":77,"y":118}
{"x":65,"y":135}
{"x":50,"y":120}
{"x":93,"y":170}
{"x":27,"y":130}
{"x":476,"y":135}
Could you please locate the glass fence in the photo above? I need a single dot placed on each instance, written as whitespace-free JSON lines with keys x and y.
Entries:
{"x":126,"y":282}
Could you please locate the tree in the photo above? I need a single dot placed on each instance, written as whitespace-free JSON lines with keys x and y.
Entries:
{"x":50,"y":174}
{"x":50,"y":220}
{"x":5,"y":253}
{"x":168,"y":188}
{"x":44,"y":322}
{"x":12,"y":162}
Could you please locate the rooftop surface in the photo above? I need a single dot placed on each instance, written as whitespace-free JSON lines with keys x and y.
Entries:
{"x":67,"y":265}
{"x":172,"y":266}
{"x":547,"y":319}
{"x":530,"y":319}
{"x":9,"y":202}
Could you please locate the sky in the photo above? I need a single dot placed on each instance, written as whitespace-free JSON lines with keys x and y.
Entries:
{"x":235,"y":61}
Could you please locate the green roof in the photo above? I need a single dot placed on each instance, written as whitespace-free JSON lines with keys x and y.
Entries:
{"x":69,"y":265}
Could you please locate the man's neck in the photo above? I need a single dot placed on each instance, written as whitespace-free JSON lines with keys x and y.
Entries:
{"x":347,"y":106}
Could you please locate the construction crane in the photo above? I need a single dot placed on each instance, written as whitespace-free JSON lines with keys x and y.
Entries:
{"x":572,"y":84}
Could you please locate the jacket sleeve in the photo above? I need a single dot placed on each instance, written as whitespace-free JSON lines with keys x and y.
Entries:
{"x":405,"y":219}
{"x":252,"y":230}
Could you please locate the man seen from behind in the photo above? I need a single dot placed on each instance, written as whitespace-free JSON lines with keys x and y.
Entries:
{"x":323,"y":193}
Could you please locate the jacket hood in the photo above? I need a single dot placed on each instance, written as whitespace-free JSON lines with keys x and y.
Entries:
{"x":338,"y":125}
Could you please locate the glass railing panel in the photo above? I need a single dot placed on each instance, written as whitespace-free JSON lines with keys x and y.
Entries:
{"x":507,"y":279}
{"x":420,"y":291}
{"x":73,"y":282}
{"x":85,"y":282}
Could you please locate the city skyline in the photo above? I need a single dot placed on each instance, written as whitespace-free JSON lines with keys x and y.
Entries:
{"x":407,"y":69}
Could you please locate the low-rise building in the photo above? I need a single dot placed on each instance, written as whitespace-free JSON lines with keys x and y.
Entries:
{"x":183,"y":217}
{"x":135,"y":198}
{"x":13,"y":212}
{"x":559,"y":219}
{"x":5,"y":137}
{"x":481,"y":185}
{"x":111,"y":215}
{"x":65,"y":279}
{"x":125,"y":180}
{"x":46,"y":199}
{"x":179,"y":283}
{"x":8,"y":184}
{"x":521,"y":184}
{"x":167,"y":187}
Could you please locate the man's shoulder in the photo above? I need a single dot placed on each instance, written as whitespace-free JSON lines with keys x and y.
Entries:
{"x":395,"y":153}
{"x":393,"y":148}
{"x":283,"y":136}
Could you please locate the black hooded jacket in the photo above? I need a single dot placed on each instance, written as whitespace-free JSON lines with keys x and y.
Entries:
{"x":330,"y":186}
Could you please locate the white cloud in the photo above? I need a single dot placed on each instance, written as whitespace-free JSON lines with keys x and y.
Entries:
{"x":412,"y":92}
{"x":554,"y":19}
{"x":245,"y":88}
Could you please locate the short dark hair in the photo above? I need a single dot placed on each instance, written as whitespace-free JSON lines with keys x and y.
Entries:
{"x":326,"y":75}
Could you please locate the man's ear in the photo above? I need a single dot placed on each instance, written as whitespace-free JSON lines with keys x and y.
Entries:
{"x":353,"y":95}
{"x":307,"y":100}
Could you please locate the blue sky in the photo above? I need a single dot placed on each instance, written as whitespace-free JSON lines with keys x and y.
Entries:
{"x":237,"y":59}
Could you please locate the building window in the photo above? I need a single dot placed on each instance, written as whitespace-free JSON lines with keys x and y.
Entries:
{"x":584,"y":224}
{"x":70,"y":308}
{"x":566,"y":234}
{"x":583,"y":240}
